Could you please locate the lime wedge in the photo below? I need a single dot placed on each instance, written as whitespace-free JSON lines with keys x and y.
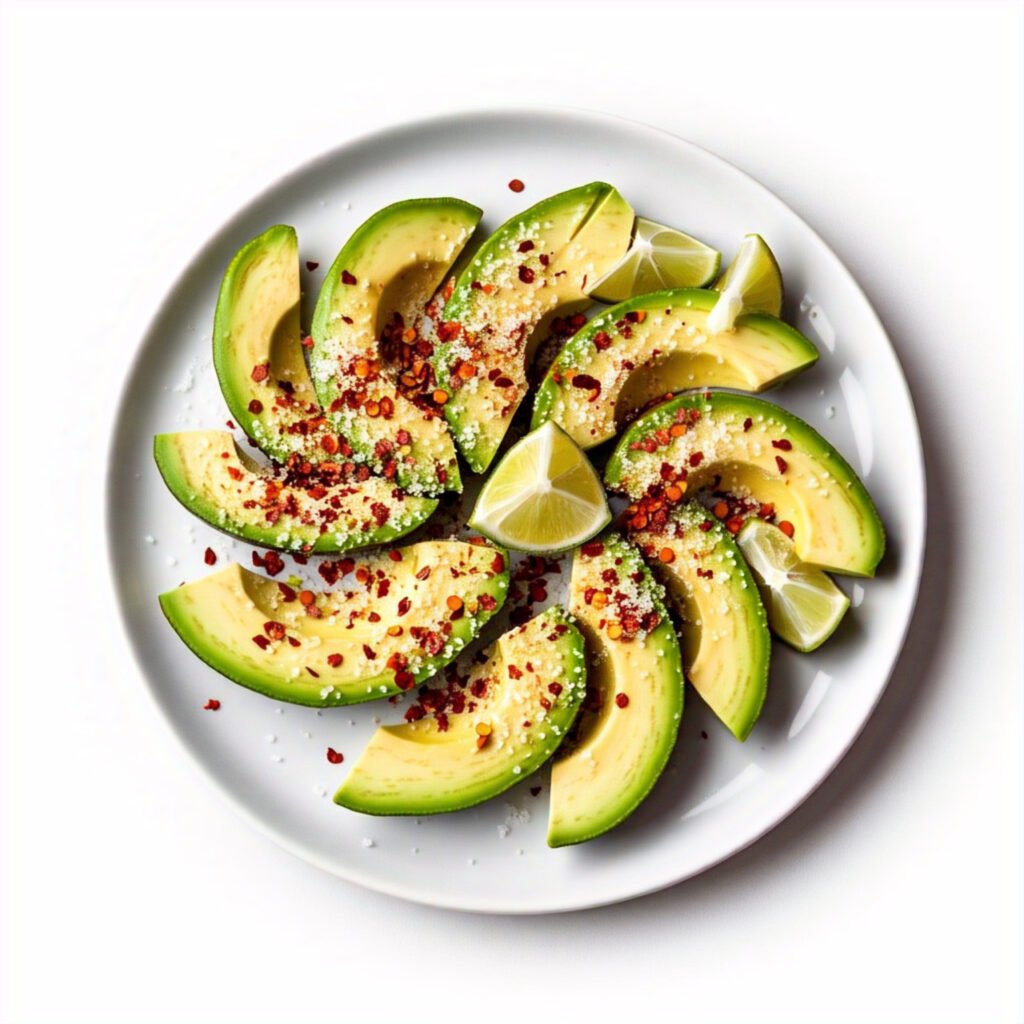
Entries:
{"x":752,"y":283}
{"x":804,"y":606}
{"x":659,"y":258}
{"x":544,"y":496}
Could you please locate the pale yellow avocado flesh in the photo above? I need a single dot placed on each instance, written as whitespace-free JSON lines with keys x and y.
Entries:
{"x":504,"y":301}
{"x":617,"y":753}
{"x":723,"y":631}
{"x":655,"y":345}
{"x":510,"y":731}
{"x":258,"y":334}
{"x":215,"y":480}
{"x":261,"y":634}
{"x":386,"y":275}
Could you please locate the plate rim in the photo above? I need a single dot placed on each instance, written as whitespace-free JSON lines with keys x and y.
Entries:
{"x":451,"y":118}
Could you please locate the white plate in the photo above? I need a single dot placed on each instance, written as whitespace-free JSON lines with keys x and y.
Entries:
{"x":717,"y":796}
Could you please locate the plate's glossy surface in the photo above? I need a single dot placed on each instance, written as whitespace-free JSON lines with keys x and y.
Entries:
{"x":717,"y":795}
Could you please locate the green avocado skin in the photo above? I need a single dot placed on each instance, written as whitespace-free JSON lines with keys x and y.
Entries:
{"x":369,"y":800}
{"x":216,"y":654}
{"x":301,"y":539}
{"x":576,"y":354}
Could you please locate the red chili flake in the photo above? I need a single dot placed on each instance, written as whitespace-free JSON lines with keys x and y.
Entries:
{"x":275,"y":630}
{"x":787,"y":528}
{"x":585,"y":381}
{"x":535,"y":791}
{"x":503,"y":382}
{"x":311,"y":264}
{"x":260,"y":372}
{"x":516,"y":185}
{"x":273,"y":563}
{"x":487,"y":602}
{"x":621,"y":700}
{"x":555,"y":688}
{"x":370,"y":653}
{"x":403,"y":437}
{"x":404,"y":679}
{"x":498,"y":563}
{"x":783,"y":445}
{"x":414,"y":714}
{"x":602,"y":340}
{"x":212,"y":705}
{"x":515,"y":672}
{"x":592,"y":549}
{"x":334,"y":757}
{"x":313,"y":672}
{"x":478,"y":688}
{"x":255,"y":407}
{"x":229,"y":424}
{"x":210,"y":557}
{"x":544,"y":258}
{"x":261,"y":642}
{"x":706,"y":525}
{"x":287,"y":593}
{"x":747,"y":424}
{"x":395,"y":555}
{"x":335,"y":660}
{"x":403,"y":606}
{"x":423,"y":573}
{"x":347,"y":278}
{"x":696,"y":459}
{"x":526,"y":246}
{"x":781,"y":463}
{"x":526,"y":275}
{"x":293,"y":641}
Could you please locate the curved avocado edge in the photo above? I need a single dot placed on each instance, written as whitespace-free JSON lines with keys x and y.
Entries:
{"x":663,"y":414}
{"x":165,"y":456}
{"x":574,"y":655}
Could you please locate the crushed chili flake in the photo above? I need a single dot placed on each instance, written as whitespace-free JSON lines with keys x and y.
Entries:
{"x":335,"y":660}
{"x":312,"y":264}
{"x":370,"y":653}
{"x":783,"y":445}
{"x":705,"y":526}
{"x":526,"y":275}
{"x":347,"y":278}
{"x":261,"y":642}
{"x":781,"y":463}
{"x":747,"y":424}
{"x":787,"y":528}
{"x":275,"y":630}
{"x":260,"y":372}
{"x":212,"y":705}
{"x":334,"y":757}
{"x":210,"y":557}
{"x":516,"y":185}
{"x":255,"y":407}
{"x":621,"y":700}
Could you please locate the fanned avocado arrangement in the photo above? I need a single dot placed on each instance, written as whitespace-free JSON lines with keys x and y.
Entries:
{"x":731,"y":511}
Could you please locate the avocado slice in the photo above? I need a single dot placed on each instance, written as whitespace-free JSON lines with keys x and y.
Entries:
{"x":368,"y":358}
{"x":657,"y":343}
{"x":257,"y":346}
{"x":331,"y":508}
{"x":397,"y":622}
{"x":539,"y":265}
{"x":749,"y":447}
{"x":630,"y":721}
{"x":723,"y":632}
{"x":519,"y":700}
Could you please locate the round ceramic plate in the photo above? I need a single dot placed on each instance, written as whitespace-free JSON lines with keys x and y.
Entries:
{"x":717,"y":796}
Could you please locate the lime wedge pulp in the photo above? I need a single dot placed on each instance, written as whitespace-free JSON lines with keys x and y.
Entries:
{"x":543,"y":497}
{"x":752,"y":283}
{"x":804,"y":606}
{"x":659,"y":258}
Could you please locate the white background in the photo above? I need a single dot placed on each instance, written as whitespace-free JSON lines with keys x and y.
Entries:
{"x":133,"y":896}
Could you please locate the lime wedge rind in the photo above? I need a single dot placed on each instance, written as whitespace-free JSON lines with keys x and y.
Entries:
{"x":752,"y":283}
